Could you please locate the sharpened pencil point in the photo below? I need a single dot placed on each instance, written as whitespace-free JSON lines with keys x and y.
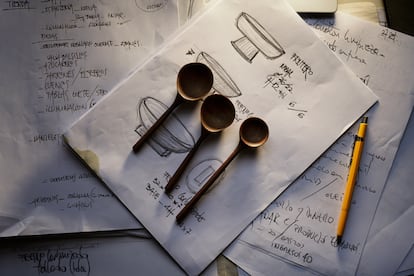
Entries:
{"x":338,"y":239}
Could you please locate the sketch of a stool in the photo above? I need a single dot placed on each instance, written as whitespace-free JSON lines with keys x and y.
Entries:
{"x":255,"y":39}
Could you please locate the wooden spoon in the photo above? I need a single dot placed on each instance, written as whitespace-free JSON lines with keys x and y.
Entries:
{"x":253,"y":133}
{"x":194,"y":81}
{"x":217,"y":113}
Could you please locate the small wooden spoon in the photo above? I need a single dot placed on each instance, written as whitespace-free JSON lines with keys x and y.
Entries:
{"x":194,"y":81}
{"x":217,"y":113}
{"x":253,"y":133}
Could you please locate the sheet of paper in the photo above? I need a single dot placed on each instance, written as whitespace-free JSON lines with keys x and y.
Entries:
{"x":105,"y":254}
{"x":300,"y":226}
{"x":407,"y":266}
{"x":189,"y":8}
{"x":296,"y":85}
{"x":132,"y":252}
{"x":398,"y":195}
{"x":397,"y":238}
{"x":58,"y":59}
{"x":396,"y":199}
{"x":408,"y":272}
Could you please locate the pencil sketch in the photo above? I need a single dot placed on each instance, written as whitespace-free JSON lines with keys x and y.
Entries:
{"x":223,"y":84}
{"x":300,"y":111}
{"x":255,"y":39}
{"x":365,"y":79}
{"x":172,"y":136}
{"x":200,"y":173}
{"x":150,"y":5}
{"x":190,"y":9}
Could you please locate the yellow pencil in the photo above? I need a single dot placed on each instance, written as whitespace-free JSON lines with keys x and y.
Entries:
{"x":352,"y":176}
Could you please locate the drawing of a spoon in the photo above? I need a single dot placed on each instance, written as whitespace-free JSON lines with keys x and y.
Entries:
{"x":217,"y":113}
{"x":253,"y":133}
{"x":194,"y":81}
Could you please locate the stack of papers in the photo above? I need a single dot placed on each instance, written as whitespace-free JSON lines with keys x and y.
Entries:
{"x":58,"y":60}
{"x":300,"y":225}
{"x":290,"y":81}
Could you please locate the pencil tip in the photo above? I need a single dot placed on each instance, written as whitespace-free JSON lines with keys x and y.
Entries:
{"x":364,"y":120}
{"x":338,"y":239}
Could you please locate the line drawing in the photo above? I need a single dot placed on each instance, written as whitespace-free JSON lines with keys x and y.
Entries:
{"x":172,"y":136}
{"x":255,"y":39}
{"x":300,"y":210}
{"x":223,"y":84}
{"x":365,"y":79}
{"x":200,"y":173}
{"x":320,"y":189}
{"x":190,"y":9}
{"x":300,"y":112}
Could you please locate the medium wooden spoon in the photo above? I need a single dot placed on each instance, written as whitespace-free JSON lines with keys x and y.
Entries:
{"x":217,"y":113}
{"x":254,"y":132}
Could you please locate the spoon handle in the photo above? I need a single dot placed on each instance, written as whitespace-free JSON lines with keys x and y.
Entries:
{"x":189,"y":206}
{"x":174,"y":179}
{"x":178,"y":100}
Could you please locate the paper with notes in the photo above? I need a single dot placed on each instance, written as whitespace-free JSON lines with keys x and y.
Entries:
{"x":392,"y":216}
{"x":300,"y":226}
{"x":99,"y":253}
{"x":58,"y":59}
{"x":305,"y":94}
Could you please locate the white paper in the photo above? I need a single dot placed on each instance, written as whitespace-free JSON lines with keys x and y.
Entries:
{"x":396,"y":238}
{"x":299,"y":90}
{"x":58,"y":59}
{"x":396,"y":199}
{"x":111,"y":254}
{"x":398,"y":195}
{"x":300,"y":226}
{"x":407,"y":266}
{"x":96,"y":254}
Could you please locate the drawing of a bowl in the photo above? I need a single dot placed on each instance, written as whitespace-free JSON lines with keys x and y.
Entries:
{"x":200,"y":173}
{"x":223,"y":84}
{"x":172,"y":136}
{"x":255,"y":39}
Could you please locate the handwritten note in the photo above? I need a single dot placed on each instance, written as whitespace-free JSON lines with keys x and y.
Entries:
{"x":293,"y":82}
{"x":300,"y":226}
{"x":391,"y":215}
{"x":59,"y":58}
{"x":101,"y":254}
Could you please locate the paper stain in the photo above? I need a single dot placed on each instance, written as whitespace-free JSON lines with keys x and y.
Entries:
{"x":90,"y":158}
{"x":225,"y":267}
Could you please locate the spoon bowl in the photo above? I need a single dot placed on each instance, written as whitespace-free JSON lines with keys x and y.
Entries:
{"x":217,"y":113}
{"x":194,"y":81}
{"x":253,"y":133}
